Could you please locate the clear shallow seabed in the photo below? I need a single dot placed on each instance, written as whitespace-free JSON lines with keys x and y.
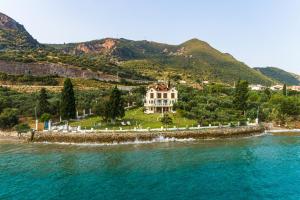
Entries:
{"x":266,"y":167}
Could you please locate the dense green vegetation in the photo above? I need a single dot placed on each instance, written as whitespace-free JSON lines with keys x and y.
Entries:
{"x":215,"y":104}
{"x":28,"y":79}
{"x":114,"y":106}
{"x":280,"y":75}
{"x":43,"y":105}
{"x":49,"y":55}
{"x":22,"y":128}
{"x":221,"y":104}
{"x":166,"y":120}
{"x":195,"y":60}
{"x":24,"y":105}
{"x":67,"y":103}
{"x":8,"y":118}
{"x":137,"y":118}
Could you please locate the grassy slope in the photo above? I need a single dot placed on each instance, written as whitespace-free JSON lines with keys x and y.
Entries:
{"x":197,"y":60}
{"x":280,"y":75}
{"x":79,"y":84}
{"x":193,"y":59}
{"x":136,"y":118}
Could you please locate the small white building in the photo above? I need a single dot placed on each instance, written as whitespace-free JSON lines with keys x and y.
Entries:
{"x":276,"y":87}
{"x":294,"y":88}
{"x":257,"y":87}
{"x":160,"y":98}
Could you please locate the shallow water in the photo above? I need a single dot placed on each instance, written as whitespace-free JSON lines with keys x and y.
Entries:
{"x":266,"y":167}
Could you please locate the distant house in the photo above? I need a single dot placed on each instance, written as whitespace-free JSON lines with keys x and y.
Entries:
{"x":160,"y":98}
{"x":197,"y":86}
{"x":257,"y":87}
{"x":276,"y":87}
{"x":294,"y":88}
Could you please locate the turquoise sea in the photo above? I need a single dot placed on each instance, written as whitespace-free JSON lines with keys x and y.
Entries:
{"x":266,"y":167}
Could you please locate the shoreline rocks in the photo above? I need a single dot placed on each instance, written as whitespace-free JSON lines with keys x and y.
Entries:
{"x":121,"y":137}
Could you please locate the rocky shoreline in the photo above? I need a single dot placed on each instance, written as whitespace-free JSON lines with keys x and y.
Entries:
{"x":123,"y":137}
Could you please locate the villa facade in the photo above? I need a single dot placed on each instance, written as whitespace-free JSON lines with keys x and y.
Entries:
{"x":276,"y":87}
{"x":257,"y":87}
{"x":294,"y":88}
{"x":160,"y":98}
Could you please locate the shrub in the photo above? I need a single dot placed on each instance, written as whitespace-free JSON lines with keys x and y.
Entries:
{"x":22,"y":128}
{"x":166,"y":120}
{"x":45,"y":117}
{"x":8,"y":118}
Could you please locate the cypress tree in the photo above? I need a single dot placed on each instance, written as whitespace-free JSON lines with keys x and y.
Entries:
{"x":115,"y":105}
{"x":43,"y":104}
{"x":241,"y":95}
{"x":67,"y":105}
{"x":284,"y":90}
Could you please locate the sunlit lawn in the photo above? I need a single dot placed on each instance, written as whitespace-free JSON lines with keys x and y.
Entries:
{"x":137,"y":118}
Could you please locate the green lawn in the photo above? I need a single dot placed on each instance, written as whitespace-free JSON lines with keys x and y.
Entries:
{"x":137,"y":118}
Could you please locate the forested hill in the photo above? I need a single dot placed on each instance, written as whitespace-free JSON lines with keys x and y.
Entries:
{"x":193,"y":60}
{"x":280,"y":75}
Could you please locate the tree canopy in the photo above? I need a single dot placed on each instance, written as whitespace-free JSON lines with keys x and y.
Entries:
{"x":43,"y":105}
{"x":68,"y":105}
{"x":241,"y":95}
{"x":114,"y":107}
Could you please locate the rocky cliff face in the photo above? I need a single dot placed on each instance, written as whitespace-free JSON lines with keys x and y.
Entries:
{"x":7,"y":22}
{"x":42,"y":69}
{"x":121,"y":49}
{"x":95,"y":47}
{"x":13,"y":35}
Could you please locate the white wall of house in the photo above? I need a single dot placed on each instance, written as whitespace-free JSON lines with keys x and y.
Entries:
{"x":160,"y":101}
{"x":257,"y":87}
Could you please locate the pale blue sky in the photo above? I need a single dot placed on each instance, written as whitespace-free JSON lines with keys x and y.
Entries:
{"x":257,"y":32}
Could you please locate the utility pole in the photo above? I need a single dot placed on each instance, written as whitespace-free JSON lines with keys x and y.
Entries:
{"x":36,"y":120}
{"x":257,"y":115}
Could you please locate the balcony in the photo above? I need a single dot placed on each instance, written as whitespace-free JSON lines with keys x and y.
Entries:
{"x":158,"y":103}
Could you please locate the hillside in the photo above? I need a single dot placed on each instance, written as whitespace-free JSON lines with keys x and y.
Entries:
{"x":280,"y":75}
{"x":13,"y":35}
{"x":193,"y":60}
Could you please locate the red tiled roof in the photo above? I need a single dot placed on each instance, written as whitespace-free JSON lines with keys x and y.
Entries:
{"x":160,"y":87}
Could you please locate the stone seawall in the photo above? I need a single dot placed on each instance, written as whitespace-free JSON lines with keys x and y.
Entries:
{"x":120,"y":137}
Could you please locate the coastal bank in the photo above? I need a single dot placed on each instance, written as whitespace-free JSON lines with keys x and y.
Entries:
{"x":127,"y":137}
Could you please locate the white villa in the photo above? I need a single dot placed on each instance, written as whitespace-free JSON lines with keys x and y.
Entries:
{"x":257,"y":87}
{"x":294,"y":88}
{"x":160,"y":98}
{"x":276,"y":87}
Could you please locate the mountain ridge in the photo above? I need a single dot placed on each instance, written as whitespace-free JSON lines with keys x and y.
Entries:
{"x":281,"y":76}
{"x":193,"y":60}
